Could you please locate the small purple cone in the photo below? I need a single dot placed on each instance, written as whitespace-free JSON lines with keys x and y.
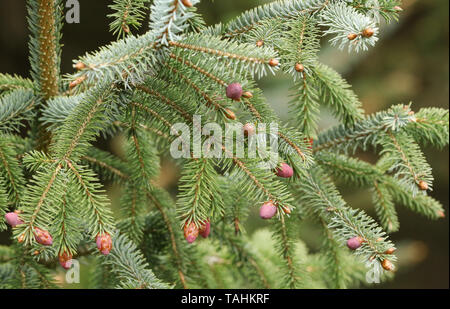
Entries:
{"x":65,"y":260}
{"x":354,"y":243}
{"x":234,"y":91}
{"x":267,"y":210}
{"x":205,"y":230}
{"x":104,"y":243}
{"x":43,"y":237}
{"x":13,"y":219}
{"x":190,"y":232}
{"x":285,"y":171}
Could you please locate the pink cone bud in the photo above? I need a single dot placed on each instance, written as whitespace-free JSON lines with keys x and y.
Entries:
{"x":249,"y":129}
{"x":65,"y":259}
{"x":267,"y":210}
{"x":205,"y":229}
{"x":104,"y":243}
{"x":234,"y":91}
{"x":285,"y":171}
{"x":13,"y":219}
{"x":190,"y":232}
{"x":354,"y":242}
{"x":43,"y":237}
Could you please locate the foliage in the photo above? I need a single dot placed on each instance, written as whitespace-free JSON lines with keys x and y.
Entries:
{"x":140,"y":86}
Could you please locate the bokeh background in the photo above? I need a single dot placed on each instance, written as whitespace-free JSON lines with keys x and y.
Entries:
{"x":410,"y":63}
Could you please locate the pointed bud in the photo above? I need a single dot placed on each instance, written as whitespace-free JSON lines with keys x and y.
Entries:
{"x":441,"y":214}
{"x":230,"y":114}
{"x":12,"y":218}
{"x":423,"y":185}
{"x":352,"y":36}
{"x":267,"y":210}
{"x":234,"y":91}
{"x":397,"y":8}
{"x":249,"y":129}
{"x":285,"y":171}
{"x":21,"y":238}
{"x":104,"y":243}
{"x":43,"y":237}
{"x":77,"y":81}
{"x":299,"y":67}
{"x":368,"y":32}
{"x":387,"y":265}
{"x":79,"y":66}
{"x":190,"y":232}
{"x":247,"y":95}
{"x":286,"y":210}
{"x":187,"y":3}
{"x":65,"y":260}
{"x":274,"y":62}
{"x":390,"y":250}
{"x":205,"y":229}
{"x":354,"y":242}
{"x":260,"y":43}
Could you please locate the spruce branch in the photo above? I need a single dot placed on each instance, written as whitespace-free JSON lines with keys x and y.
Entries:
{"x":285,"y":9}
{"x":365,"y":133}
{"x":127,"y":14}
{"x":16,"y":107}
{"x":129,"y":265}
{"x":168,"y":18}
{"x":321,"y":195}
{"x":10,"y":171}
{"x":12,"y":82}
{"x":349,"y":27}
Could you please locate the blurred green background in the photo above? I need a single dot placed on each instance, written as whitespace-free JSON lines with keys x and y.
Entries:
{"x":410,"y":63}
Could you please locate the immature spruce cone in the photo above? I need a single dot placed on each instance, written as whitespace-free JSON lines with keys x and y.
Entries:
{"x":12,"y":218}
{"x":354,"y":242}
{"x":267,"y":210}
{"x":43,"y":237}
{"x":104,"y":243}
{"x":285,"y":171}
{"x":234,"y":91}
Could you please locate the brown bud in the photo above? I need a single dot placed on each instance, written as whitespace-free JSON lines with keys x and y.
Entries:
{"x":260,"y":43}
{"x":387,"y":265}
{"x":286,"y":210}
{"x":78,"y":81}
{"x":380,"y":239}
{"x":390,"y":250}
{"x":441,"y":214}
{"x":21,"y":238}
{"x":79,"y":66}
{"x":230,"y":114}
{"x":36,"y":252}
{"x":187,"y":3}
{"x":274,"y":62}
{"x":397,"y":8}
{"x":247,"y":95}
{"x":423,"y":185}
{"x":299,"y":67}
{"x":352,"y":36}
{"x":368,"y":32}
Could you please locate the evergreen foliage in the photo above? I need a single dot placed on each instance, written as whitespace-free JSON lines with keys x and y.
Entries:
{"x":140,"y":86}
